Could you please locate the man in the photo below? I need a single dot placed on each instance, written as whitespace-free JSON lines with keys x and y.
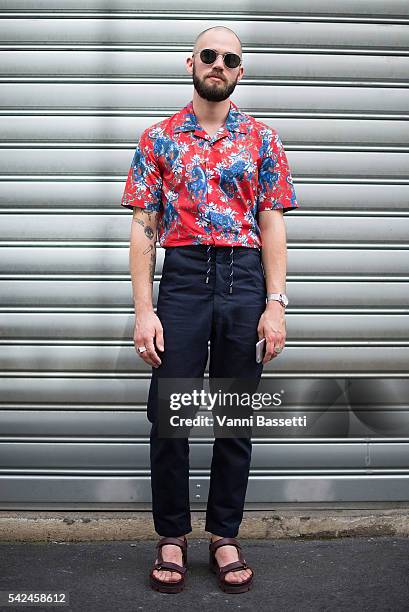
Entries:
{"x":214,"y":183}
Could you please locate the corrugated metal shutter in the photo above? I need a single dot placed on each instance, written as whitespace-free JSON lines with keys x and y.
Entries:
{"x":79,"y":82}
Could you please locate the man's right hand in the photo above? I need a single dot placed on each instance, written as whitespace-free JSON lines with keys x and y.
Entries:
{"x":148,"y":329}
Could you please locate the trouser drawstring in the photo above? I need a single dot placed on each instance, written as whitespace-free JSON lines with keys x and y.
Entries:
{"x":209,"y":262}
{"x":231,"y":270}
{"x":209,"y":266}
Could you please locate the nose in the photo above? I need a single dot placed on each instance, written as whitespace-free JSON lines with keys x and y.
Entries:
{"x":218,"y":63}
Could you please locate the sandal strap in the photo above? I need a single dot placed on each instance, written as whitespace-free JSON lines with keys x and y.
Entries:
{"x":224,"y":542}
{"x":234,"y":566}
{"x":170,"y":566}
{"x":175,"y":542}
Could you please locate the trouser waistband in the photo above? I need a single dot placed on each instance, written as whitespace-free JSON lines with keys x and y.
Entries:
{"x":208,"y":250}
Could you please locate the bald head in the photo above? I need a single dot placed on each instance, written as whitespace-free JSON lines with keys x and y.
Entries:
{"x":221,"y":32}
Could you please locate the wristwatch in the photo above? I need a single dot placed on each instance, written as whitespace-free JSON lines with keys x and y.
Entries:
{"x":280,"y":297}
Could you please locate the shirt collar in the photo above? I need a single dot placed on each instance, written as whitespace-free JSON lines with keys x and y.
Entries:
{"x":187,"y":121}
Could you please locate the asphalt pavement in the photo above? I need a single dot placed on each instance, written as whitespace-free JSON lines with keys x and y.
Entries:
{"x":341,"y":574}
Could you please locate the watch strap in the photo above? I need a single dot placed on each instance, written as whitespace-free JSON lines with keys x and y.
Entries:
{"x":279,"y":297}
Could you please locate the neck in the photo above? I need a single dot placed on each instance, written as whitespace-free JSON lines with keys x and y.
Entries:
{"x":210,"y":112}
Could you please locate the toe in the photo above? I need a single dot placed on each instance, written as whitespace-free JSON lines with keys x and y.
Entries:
{"x":166,"y":576}
{"x":240,"y":576}
{"x":233,"y":577}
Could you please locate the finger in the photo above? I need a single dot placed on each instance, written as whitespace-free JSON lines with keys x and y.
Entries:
{"x":151,"y":352}
{"x":279,"y":343}
{"x":144,"y":355}
{"x":140,"y":341}
{"x":160,"y":344}
{"x":147,"y":359}
{"x":269,"y":351}
{"x":278,"y":349}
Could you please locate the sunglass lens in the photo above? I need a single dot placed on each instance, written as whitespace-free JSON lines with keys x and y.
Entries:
{"x":208,"y":56}
{"x":231,"y":60}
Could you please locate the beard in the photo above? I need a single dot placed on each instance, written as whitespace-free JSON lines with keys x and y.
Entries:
{"x":213,"y":92}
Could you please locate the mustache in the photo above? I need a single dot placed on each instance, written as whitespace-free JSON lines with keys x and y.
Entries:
{"x":219,"y":76}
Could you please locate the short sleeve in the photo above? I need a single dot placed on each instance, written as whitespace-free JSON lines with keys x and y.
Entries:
{"x":143,"y":185}
{"x":275,"y":183}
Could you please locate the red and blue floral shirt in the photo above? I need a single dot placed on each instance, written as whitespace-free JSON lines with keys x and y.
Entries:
{"x":209,"y":189}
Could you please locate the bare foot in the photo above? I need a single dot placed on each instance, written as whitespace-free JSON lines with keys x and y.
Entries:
{"x":227,"y":554}
{"x":173,"y":553}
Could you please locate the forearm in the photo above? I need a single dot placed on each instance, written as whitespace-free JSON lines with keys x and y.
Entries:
{"x":274,"y":251}
{"x":142,"y":257}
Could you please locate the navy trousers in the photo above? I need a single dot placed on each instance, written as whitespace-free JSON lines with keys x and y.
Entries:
{"x":194,"y":312}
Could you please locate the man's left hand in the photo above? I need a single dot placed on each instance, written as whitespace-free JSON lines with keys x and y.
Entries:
{"x":272,"y":327}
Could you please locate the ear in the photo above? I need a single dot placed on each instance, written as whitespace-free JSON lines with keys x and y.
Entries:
{"x":189,"y":65}
{"x":241,"y":73}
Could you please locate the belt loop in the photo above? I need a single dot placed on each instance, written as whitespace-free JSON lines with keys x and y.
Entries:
{"x":209,"y":262}
{"x":231,"y":270}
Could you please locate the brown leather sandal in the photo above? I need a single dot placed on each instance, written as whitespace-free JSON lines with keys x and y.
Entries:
{"x":171,"y":586}
{"x":229,"y":587}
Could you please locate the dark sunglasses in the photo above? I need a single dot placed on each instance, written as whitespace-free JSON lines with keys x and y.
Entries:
{"x":209,"y":56}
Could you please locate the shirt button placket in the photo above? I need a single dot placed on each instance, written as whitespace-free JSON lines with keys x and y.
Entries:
{"x":207,"y":156}
{"x":206,"y":162}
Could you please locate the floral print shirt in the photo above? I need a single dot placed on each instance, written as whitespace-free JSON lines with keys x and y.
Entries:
{"x":209,"y":189}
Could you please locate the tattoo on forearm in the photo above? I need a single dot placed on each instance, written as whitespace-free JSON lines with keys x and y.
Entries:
{"x":149,"y":233}
{"x":149,"y":213}
{"x":139,"y":221}
{"x":137,"y":210}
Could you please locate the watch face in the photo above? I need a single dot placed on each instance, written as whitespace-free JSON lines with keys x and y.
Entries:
{"x":285,"y":299}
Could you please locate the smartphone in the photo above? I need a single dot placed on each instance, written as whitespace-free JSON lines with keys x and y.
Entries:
{"x":260,"y":350}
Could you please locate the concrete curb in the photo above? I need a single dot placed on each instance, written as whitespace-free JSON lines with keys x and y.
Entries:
{"x":83,"y":526}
